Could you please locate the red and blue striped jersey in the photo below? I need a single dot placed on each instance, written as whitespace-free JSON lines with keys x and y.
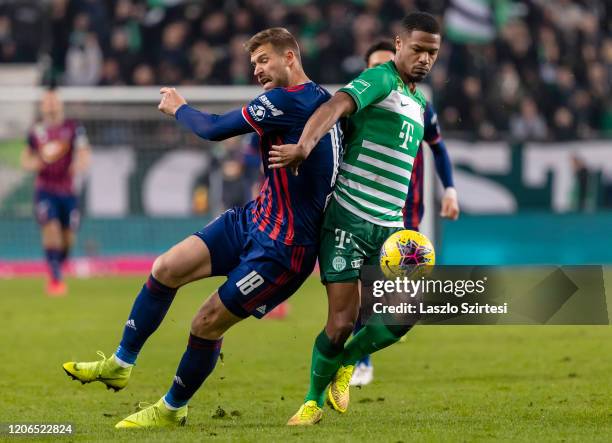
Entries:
{"x":290,"y":208}
{"x":414,"y":208}
{"x":55,"y":145}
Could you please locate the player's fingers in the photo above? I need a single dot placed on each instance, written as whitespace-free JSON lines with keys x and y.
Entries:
{"x":278,"y":165}
{"x":452,"y":208}
{"x":164,"y":90}
{"x":276,"y":161}
{"x":274,"y":157}
{"x":449,"y":211}
{"x":444,"y":210}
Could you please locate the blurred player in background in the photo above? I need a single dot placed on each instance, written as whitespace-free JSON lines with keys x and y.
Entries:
{"x":57,"y":151}
{"x":377,"y":54}
{"x":266,"y":249}
{"x":385,"y":127}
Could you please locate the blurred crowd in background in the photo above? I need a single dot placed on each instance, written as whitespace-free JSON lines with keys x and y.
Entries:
{"x":524,"y":70}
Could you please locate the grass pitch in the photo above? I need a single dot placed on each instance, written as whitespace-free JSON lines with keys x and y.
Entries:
{"x":446,"y":383}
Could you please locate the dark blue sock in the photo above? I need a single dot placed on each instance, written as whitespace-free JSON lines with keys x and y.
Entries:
{"x":197,"y":363}
{"x":55,"y":263}
{"x":148,"y":311}
{"x":365,"y":360}
{"x":358,"y":325}
{"x":63,"y":256}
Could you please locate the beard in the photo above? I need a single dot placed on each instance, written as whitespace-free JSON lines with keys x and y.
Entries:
{"x":417,"y":77}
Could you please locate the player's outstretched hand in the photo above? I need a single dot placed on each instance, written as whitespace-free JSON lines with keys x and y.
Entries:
{"x":282,"y":156}
{"x":170,"y":101}
{"x":450,"y":204}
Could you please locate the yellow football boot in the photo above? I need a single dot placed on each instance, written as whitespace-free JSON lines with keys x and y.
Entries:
{"x":106,"y":371}
{"x":155,"y":416}
{"x":338,"y":394}
{"x":309,"y":414}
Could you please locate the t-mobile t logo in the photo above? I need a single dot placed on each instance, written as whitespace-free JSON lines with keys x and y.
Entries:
{"x":342,"y":238}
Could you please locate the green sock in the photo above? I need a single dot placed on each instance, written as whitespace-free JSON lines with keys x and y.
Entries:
{"x":325,"y":363}
{"x":373,"y":337}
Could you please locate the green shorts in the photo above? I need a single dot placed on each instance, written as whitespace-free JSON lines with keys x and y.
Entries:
{"x":347,"y":243}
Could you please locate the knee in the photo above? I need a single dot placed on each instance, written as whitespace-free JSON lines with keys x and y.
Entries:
{"x":339,"y":330}
{"x":163,"y":271}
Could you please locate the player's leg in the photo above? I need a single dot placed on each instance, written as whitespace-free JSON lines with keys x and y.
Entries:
{"x":70,"y":219}
{"x":187,"y":261}
{"x":340,"y":258}
{"x":203,"y":348}
{"x":252,"y":288}
{"x":343,"y":306}
{"x":47,"y":214}
{"x":51,"y":233}
{"x":364,"y":369}
{"x":377,"y":334}
{"x":198,"y":362}
{"x":380,"y":331}
{"x":68,"y":240}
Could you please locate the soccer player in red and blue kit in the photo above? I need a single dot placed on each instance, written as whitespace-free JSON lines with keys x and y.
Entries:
{"x":57,"y":151}
{"x":266,"y":248}
{"x":378,"y":54}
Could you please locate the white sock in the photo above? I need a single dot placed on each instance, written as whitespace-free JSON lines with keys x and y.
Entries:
{"x":122,"y":363}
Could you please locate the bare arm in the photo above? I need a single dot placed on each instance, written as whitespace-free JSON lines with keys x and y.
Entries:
{"x":340,"y":105}
{"x":30,"y":161}
{"x":82,"y":160}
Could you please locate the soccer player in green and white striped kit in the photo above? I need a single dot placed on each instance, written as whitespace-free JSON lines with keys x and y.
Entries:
{"x":384,"y":129}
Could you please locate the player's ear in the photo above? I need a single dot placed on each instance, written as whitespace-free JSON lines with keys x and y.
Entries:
{"x":398,"y":43}
{"x":289,"y":57}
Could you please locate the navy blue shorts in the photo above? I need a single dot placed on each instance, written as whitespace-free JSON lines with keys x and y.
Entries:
{"x":61,"y":207}
{"x":261,"y":272}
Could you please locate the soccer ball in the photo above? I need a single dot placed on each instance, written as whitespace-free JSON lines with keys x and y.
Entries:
{"x":406,"y":254}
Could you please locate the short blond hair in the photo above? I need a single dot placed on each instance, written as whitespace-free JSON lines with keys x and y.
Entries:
{"x":280,"y":39}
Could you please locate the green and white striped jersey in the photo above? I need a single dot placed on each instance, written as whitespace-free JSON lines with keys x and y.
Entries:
{"x":382,"y":140}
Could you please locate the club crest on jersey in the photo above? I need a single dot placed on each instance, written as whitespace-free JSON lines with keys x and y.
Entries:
{"x":268,"y":104}
{"x":358,"y":85}
{"x":339,"y":263}
{"x":257,"y":112}
{"x":53,"y":150}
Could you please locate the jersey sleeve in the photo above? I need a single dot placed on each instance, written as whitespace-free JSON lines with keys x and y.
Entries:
{"x":80,"y":137}
{"x":433,"y":134}
{"x":370,"y":87}
{"x":212,"y":126}
{"x":31,"y":142}
{"x":433,"y":137}
{"x":270,"y":111}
